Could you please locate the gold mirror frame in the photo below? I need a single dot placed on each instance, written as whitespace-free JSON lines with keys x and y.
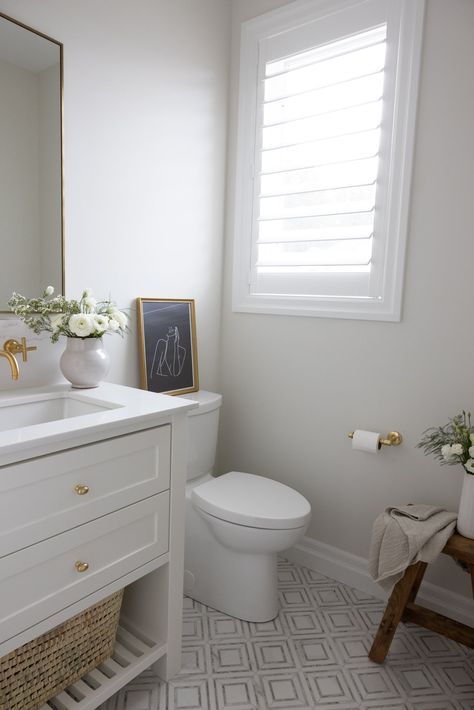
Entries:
{"x":61,"y":137}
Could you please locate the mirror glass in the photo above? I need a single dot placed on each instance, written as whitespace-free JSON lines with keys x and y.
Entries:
{"x":31,"y":223}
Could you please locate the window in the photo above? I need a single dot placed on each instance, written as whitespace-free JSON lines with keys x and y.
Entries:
{"x":326,"y":125}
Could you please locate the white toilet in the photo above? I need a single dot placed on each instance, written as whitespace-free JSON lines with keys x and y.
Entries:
{"x":235,"y":526}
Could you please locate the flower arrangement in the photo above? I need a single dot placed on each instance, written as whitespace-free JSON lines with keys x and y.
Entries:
{"x":83,"y":318}
{"x":452,"y":443}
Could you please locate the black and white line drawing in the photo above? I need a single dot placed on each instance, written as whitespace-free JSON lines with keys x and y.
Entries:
{"x":169,"y":356}
{"x":167,"y":341}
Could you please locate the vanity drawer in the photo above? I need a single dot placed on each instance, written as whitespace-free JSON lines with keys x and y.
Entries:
{"x":48,"y":495}
{"x":44,"y":578}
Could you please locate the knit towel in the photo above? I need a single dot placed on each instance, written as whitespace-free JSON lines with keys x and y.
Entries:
{"x":406,"y":534}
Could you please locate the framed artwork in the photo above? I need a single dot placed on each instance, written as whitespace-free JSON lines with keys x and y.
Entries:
{"x":167,"y":345}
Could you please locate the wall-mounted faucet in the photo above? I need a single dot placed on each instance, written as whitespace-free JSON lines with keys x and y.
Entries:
{"x":10,"y":349}
{"x":13,"y":364}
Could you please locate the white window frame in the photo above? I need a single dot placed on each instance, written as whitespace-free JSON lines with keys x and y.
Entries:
{"x":404,"y":34}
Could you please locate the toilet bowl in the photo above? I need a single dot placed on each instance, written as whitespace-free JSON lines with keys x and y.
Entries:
{"x":235,"y":526}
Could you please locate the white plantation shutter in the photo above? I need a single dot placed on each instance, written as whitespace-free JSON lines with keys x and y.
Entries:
{"x":322,"y":184}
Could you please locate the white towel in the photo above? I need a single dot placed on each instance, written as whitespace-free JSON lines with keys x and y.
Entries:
{"x":406,"y":534}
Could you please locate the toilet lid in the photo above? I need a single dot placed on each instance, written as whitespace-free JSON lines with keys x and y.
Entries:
{"x":257,"y":502}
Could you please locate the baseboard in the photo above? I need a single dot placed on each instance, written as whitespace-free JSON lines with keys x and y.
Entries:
{"x":353,"y":571}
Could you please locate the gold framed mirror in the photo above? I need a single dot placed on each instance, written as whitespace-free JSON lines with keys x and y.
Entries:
{"x":31,"y":161}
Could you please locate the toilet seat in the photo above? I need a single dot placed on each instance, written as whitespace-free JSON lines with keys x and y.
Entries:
{"x":253,"y":501}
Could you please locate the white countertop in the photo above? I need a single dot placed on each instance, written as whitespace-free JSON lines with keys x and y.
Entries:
{"x":125,"y":409}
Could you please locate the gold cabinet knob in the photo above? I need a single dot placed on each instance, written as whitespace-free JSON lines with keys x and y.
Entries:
{"x":81,"y":566}
{"x":81,"y":489}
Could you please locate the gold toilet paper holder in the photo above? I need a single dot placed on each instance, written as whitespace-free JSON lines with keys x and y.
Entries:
{"x":393,"y":438}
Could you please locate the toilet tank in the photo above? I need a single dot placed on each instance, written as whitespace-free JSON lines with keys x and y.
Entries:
{"x":202,"y":435}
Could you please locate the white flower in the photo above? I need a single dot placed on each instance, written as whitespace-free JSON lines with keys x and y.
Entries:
{"x":101,"y":322}
{"x":56,"y":321}
{"x":49,"y":290}
{"x":469,"y":465}
{"x":113,"y":325}
{"x":472,"y":438}
{"x":120,"y":317}
{"x":457,"y":450}
{"x":90,"y":303}
{"x":87,"y":293}
{"x":446,"y":452}
{"x":471,"y":452}
{"x":81,"y":325}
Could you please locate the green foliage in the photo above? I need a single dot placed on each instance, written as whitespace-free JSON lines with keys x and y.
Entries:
{"x":53,"y":315}
{"x":457,"y":433}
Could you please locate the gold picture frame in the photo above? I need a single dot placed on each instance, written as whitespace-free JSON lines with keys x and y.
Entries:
{"x":167,"y":345}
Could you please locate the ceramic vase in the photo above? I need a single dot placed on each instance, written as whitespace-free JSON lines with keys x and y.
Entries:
{"x":465,"y":524}
{"x":84,"y":363}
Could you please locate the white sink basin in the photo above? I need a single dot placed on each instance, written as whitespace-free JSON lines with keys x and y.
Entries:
{"x":40,"y":420}
{"x":50,"y":408}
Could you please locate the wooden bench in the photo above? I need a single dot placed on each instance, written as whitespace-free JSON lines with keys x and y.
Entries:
{"x":401,"y":605}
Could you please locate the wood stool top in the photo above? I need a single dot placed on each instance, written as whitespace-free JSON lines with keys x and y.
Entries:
{"x":462,"y":548}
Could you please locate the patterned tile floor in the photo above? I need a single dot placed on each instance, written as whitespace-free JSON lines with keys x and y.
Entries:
{"x":313,"y":655}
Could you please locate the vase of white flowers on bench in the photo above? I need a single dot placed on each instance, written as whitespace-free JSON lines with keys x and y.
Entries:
{"x":453,"y":445}
{"x":83,"y":322}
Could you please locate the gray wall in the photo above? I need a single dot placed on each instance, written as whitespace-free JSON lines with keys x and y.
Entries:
{"x":293,"y":387}
{"x":145,"y":98}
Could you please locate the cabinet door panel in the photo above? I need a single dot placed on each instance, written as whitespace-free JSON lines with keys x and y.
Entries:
{"x":45,"y":496}
{"x":45,"y":578}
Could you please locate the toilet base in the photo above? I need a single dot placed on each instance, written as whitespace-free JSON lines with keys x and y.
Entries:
{"x":243,"y":585}
{"x":246,"y":590}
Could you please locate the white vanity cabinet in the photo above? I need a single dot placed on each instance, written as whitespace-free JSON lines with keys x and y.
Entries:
{"x":86,"y":512}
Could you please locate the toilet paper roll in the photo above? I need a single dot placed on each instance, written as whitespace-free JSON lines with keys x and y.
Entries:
{"x":366,"y":441}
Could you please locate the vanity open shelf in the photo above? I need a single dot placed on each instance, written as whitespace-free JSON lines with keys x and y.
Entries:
{"x":133,"y":653}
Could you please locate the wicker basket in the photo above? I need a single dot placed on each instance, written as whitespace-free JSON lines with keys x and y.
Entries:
{"x":37,"y":671}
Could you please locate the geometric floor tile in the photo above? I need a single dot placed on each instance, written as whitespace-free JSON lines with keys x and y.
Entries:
{"x":266,"y":629}
{"x":418,"y":680}
{"x":273,"y":654}
{"x":313,"y":656}
{"x":330,"y":687}
{"x":328,"y":596}
{"x":374,"y":683}
{"x":283,"y":691}
{"x":236,"y":693}
{"x":223,"y":627}
{"x":314,"y":652}
{"x":230,"y":658}
{"x":301,"y":623}
{"x":289,"y":577}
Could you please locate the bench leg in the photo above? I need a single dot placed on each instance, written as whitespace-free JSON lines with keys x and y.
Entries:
{"x":404,"y":591}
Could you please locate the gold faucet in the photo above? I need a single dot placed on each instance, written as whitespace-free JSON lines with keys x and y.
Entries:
{"x":13,"y":364}
{"x":10,"y":349}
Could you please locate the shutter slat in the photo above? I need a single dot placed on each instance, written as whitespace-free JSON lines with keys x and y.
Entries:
{"x":329,"y":151}
{"x":313,"y":240}
{"x":262,"y":265}
{"x":351,"y":65}
{"x":347,"y":134}
{"x":335,"y":123}
{"x":319,"y":189}
{"x":359,"y":198}
{"x":341,"y":46}
{"x":331,"y":98}
{"x":344,"y":209}
{"x":344,"y":252}
{"x":358,"y":172}
{"x":313,"y":228}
